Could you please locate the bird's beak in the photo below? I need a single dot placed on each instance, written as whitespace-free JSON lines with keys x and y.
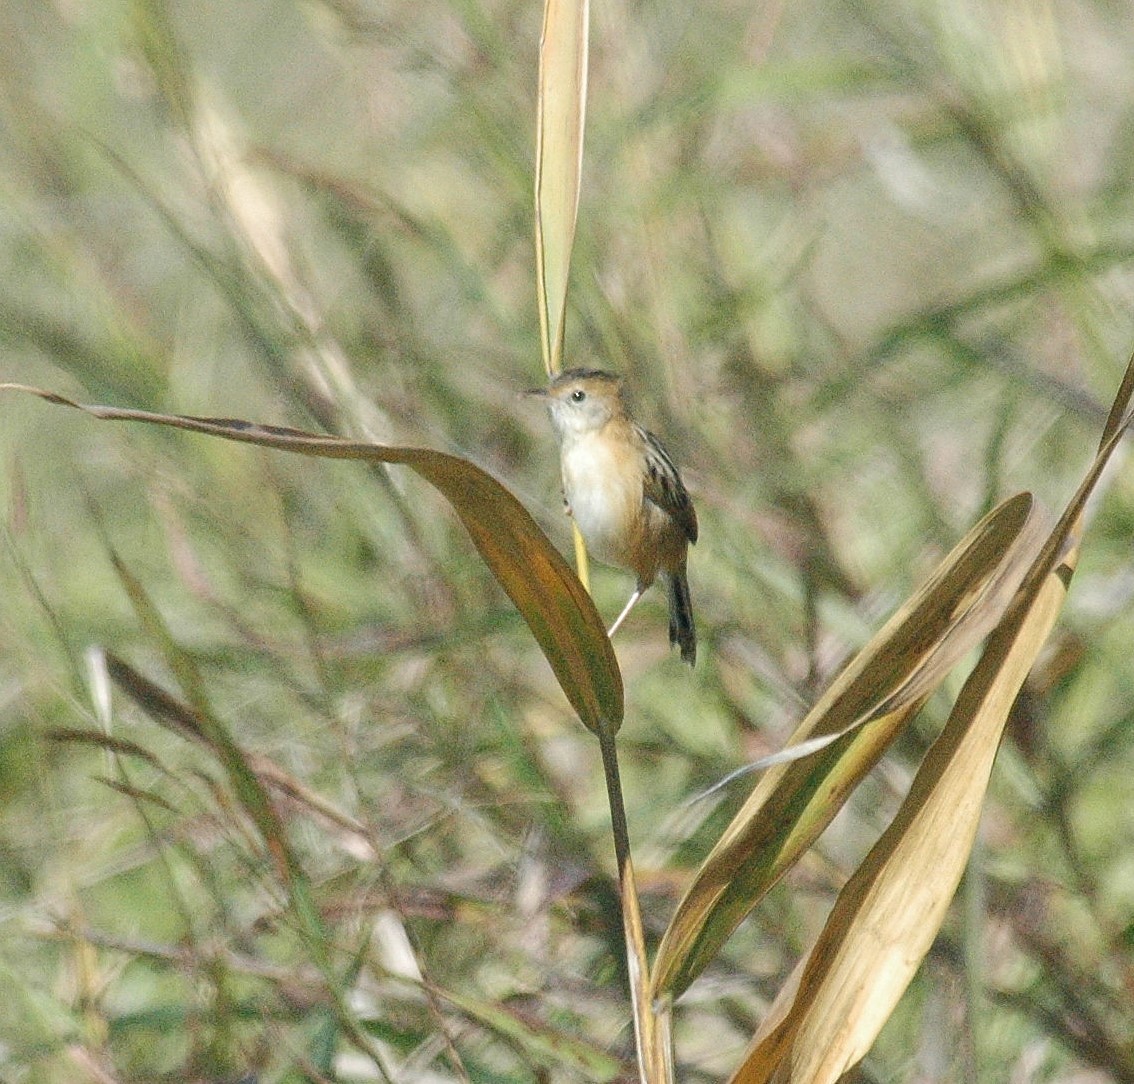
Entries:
{"x":535,"y":393}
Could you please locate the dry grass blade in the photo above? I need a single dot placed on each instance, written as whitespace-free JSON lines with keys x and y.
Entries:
{"x":652,"y":1046}
{"x":541,"y":1045}
{"x":652,"y":1041}
{"x":559,"y":161}
{"x":1121,"y":413}
{"x":887,"y":915}
{"x":119,"y":746}
{"x":197,"y":722}
{"x":138,"y":794}
{"x":865,"y":709}
{"x":158,"y":704}
{"x":547,"y":593}
{"x":170,"y":712}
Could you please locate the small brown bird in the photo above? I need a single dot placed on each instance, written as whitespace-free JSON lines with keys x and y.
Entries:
{"x":624,"y":492}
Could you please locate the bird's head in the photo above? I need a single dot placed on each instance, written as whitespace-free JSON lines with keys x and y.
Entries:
{"x":582,"y":400}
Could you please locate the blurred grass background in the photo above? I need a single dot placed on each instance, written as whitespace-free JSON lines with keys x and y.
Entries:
{"x":867,"y":268}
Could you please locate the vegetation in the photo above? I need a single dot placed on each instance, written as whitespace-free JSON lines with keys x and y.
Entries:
{"x":290,"y":791}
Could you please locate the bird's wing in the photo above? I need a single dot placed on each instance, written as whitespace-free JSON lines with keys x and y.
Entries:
{"x":663,"y":485}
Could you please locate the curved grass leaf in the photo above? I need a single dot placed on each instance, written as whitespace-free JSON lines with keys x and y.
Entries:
{"x":889,"y":912}
{"x":865,"y":708}
{"x":887,"y":915}
{"x":535,"y":577}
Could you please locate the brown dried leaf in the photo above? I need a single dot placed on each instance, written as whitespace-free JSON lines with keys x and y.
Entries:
{"x":865,"y":708}
{"x":535,"y":577}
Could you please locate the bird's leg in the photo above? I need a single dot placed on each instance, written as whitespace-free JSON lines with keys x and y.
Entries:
{"x":625,"y":610}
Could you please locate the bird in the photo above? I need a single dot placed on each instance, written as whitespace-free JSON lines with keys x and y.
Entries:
{"x":624,"y":492}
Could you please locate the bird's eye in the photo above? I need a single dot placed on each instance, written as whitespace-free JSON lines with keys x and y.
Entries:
{"x":578,"y":395}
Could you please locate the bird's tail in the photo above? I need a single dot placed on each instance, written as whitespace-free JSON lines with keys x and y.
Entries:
{"x":682,"y":631}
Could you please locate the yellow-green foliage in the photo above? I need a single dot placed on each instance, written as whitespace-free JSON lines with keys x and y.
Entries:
{"x":287,"y":786}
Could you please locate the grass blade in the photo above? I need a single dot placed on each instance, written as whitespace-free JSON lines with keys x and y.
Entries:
{"x":559,"y":161}
{"x":887,"y":915}
{"x":535,"y":577}
{"x":866,"y":707}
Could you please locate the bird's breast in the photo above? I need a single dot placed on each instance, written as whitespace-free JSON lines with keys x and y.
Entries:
{"x":603,"y":487}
